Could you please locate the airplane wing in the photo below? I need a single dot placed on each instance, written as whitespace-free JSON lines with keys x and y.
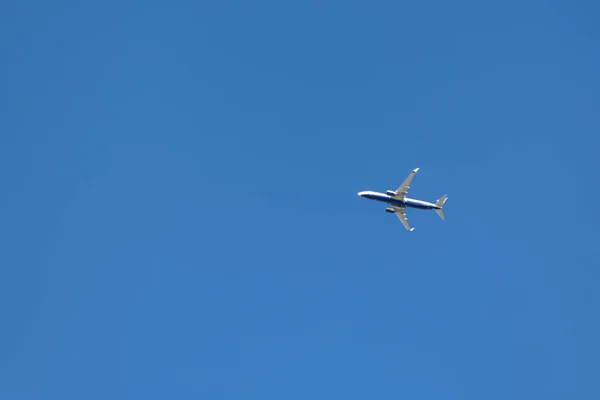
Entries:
{"x":402,"y":189}
{"x":400,"y":213}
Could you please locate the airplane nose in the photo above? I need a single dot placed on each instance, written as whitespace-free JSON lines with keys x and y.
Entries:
{"x":361,"y":194}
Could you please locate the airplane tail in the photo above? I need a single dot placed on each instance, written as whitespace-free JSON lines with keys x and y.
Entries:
{"x":440,"y":204}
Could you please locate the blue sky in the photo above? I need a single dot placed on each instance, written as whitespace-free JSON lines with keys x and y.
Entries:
{"x":179,"y":216}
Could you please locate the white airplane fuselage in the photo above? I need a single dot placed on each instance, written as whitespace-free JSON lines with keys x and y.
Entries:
{"x":399,"y":202}
{"x":404,"y":203}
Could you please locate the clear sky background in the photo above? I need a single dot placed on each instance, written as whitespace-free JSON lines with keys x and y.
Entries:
{"x":179,"y":214}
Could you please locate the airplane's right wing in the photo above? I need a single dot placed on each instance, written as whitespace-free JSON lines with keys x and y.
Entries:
{"x":402,"y":189}
{"x":400,"y":214}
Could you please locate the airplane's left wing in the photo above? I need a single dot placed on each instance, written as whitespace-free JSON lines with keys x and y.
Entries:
{"x":402,"y":189}
{"x":400,"y":214}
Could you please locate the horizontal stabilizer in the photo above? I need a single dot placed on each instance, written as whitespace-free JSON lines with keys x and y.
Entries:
{"x":440,"y":212}
{"x":440,"y":204}
{"x":441,"y":201}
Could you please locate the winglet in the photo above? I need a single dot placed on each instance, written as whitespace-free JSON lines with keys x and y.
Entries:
{"x":412,"y":229}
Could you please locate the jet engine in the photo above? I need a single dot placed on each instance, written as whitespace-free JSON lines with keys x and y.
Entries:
{"x":390,"y":210}
{"x":390,"y":193}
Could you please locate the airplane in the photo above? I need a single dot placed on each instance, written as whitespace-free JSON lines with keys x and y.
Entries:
{"x":399,"y":202}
